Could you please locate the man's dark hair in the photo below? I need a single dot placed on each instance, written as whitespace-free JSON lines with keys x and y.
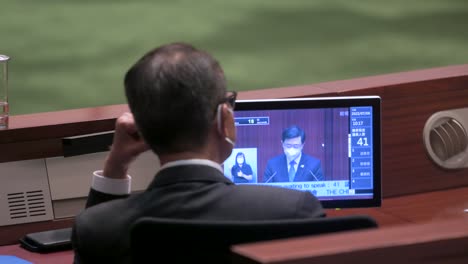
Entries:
{"x":293,"y":132}
{"x":173,"y":92}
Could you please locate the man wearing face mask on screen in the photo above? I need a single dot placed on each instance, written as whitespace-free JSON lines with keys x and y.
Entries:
{"x":293,"y":165}
{"x":180,"y":109}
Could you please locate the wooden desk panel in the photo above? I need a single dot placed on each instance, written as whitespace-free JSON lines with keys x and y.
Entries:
{"x":440,"y":242}
{"x":40,"y":135}
{"x":429,"y":207}
{"x":383,"y":219}
{"x":61,"y":123}
{"x":416,"y":208}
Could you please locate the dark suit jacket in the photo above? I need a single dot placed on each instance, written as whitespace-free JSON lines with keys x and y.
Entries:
{"x":308,"y":169}
{"x":101,"y":232}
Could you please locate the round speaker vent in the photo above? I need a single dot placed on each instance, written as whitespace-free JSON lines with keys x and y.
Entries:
{"x":446,"y":138}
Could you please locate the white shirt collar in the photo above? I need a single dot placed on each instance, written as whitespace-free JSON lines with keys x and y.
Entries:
{"x":205,"y":162}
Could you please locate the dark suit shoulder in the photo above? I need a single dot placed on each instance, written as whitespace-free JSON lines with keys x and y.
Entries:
{"x":270,"y":202}
{"x":308,"y":158}
{"x":278,"y":158}
{"x":94,"y":231}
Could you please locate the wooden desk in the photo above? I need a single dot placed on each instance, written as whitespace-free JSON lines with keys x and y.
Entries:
{"x":416,"y":208}
{"x":437,"y":242}
{"x":421,"y":228}
{"x":61,"y":257}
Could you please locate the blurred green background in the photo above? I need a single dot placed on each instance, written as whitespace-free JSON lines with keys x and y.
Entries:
{"x":72,"y":54}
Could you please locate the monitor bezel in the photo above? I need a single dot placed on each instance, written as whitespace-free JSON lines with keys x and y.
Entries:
{"x":334,"y":102}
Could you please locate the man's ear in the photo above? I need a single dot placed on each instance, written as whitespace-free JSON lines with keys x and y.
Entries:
{"x":225,"y":121}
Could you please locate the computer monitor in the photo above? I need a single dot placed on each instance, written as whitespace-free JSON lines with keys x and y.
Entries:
{"x":335,"y":143}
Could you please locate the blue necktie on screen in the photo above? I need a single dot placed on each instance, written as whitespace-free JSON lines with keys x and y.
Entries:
{"x":292,"y":171}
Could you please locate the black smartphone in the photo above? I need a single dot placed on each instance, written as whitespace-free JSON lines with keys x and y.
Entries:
{"x":48,"y":241}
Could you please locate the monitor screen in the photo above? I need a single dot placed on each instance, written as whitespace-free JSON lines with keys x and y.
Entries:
{"x":329,"y":146}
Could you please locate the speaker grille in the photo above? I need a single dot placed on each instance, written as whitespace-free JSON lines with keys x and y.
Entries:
{"x":24,"y":204}
{"x":448,"y":139}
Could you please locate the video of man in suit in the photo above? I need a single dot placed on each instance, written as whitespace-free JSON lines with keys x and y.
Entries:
{"x":305,"y":149}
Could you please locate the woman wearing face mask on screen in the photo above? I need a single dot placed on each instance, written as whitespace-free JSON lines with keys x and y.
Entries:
{"x":241,"y":171}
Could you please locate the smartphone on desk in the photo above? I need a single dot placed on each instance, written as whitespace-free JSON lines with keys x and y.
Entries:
{"x":48,"y":241}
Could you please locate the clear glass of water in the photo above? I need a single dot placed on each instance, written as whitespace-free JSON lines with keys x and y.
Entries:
{"x":4,"y":113}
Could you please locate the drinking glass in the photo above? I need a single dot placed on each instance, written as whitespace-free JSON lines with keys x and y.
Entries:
{"x":4,"y":113}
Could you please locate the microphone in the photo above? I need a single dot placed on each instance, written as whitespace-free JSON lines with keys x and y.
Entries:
{"x":273,"y":175}
{"x":315,"y":177}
